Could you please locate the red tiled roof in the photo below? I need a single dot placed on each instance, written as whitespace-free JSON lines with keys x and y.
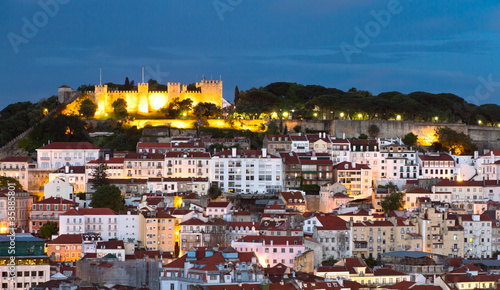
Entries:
{"x":153,"y":145}
{"x":89,"y":211}
{"x":66,"y":239}
{"x":16,"y":159}
{"x":70,"y":146}
{"x":178,"y":263}
{"x":468,"y":217}
{"x":109,"y":161}
{"x":187,"y":154}
{"x":192,"y":222}
{"x":54,"y":200}
{"x":248,"y":153}
{"x":110,"y":245}
{"x":218,"y":204}
{"x":150,"y":156}
{"x":276,"y":240}
{"x":342,"y":166}
{"x":418,"y":190}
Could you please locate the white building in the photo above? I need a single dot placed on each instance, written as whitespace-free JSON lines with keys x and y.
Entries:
{"x":58,"y":188}
{"x":75,"y":175}
{"x":300,"y":143}
{"x":59,"y":154}
{"x":477,"y":235}
{"x":247,"y":171}
{"x":187,"y":164}
{"x":114,"y":167}
{"x":438,"y":165}
{"x":128,"y":227}
{"x":103,"y":221}
{"x":16,"y":167}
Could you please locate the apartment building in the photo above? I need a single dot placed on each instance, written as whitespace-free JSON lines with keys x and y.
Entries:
{"x":75,"y":175}
{"x":437,"y":165}
{"x":47,"y":210}
{"x":357,"y":178}
{"x":157,"y":230}
{"x":17,"y":167}
{"x":187,"y":164}
{"x":247,"y":171}
{"x":137,"y":165}
{"x":277,"y":143}
{"x":58,"y":154}
{"x":102,"y":221}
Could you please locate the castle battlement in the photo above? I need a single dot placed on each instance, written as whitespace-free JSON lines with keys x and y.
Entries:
{"x":143,"y":101}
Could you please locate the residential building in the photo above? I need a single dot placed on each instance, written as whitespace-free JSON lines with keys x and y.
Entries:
{"x":357,"y":178}
{"x":157,"y":230}
{"x":58,"y":154}
{"x":103,"y":221}
{"x":277,"y":143}
{"x":292,"y":171}
{"x":333,"y":196}
{"x":294,"y":200}
{"x":147,"y":147}
{"x":17,"y":167}
{"x":477,"y":235}
{"x":236,"y":230}
{"x":247,"y":171}
{"x":23,"y":201}
{"x":58,"y":187}
{"x":218,"y":209}
{"x":341,"y":150}
{"x":114,"y":248}
{"x":319,"y":143}
{"x":47,"y":210}
{"x":137,"y":165}
{"x":187,"y":164}
{"x":196,"y":232}
{"x":75,"y":175}
{"x":437,"y":165}
{"x":300,"y":143}
{"x":271,"y":250}
{"x":335,"y":236}
{"x":128,"y":227}
{"x":114,"y":167}
{"x":66,"y":248}
{"x":367,"y":151}
{"x":31,"y":263}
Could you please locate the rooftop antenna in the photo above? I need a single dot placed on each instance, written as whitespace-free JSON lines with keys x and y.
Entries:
{"x":100,"y":76}
{"x":142,"y":74}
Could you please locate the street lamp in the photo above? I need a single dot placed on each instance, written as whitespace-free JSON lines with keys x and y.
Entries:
{"x":341,"y":115}
{"x":436,"y":118}
{"x":479,"y":122}
{"x":398,"y":117}
{"x":359,"y":116}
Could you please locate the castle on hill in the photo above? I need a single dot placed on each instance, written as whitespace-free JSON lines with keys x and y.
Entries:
{"x":144,"y":101}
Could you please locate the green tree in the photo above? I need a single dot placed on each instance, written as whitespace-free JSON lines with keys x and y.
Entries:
{"x":177,"y":108}
{"x":410,"y":139}
{"x":371,"y":262}
{"x":393,"y":201}
{"x":120,"y":108}
{"x":236,"y":94}
{"x":4,"y":182}
{"x":363,"y":136}
{"x":373,"y":131}
{"x":330,"y":260}
{"x":206,"y":110}
{"x":49,"y":229}
{"x":99,"y":175}
{"x":457,"y":143}
{"x":87,"y":108}
{"x":297,"y":128}
{"x":214,"y":192}
{"x":108,"y":196}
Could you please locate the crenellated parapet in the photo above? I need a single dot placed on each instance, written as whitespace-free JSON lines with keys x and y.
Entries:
{"x":144,"y":101}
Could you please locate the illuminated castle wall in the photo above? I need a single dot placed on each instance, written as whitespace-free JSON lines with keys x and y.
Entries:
{"x":145,"y":101}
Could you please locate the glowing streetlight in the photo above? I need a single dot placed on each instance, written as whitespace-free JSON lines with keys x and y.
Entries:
{"x":315,"y":114}
{"x":479,"y":122}
{"x":398,"y":117}
{"x":359,"y":116}
{"x":342,"y":115}
{"x":184,"y":114}
{"x":285,"y":114}
{"x":45,"y":111}
{"x":436,"y":118}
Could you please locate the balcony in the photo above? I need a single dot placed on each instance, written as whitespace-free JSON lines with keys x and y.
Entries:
{"x":199,"y":164}
{"x":158,"y":166}
{"x":129,"y":166}
{"x":169,"y":164}
{"x":44,"y":158}
{"x":67,"y":158}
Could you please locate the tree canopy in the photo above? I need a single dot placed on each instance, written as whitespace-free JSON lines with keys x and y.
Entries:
{"x":393,"y":201}
{"x":49,"y":229}
{"x":457,"y":143}
{"x":4,"y":182}
{"x":99,"y":175}
{"x":176,"y":108}
{"x":87,"y":108}
{"x":108,"y":196}
{"x":120,"y":108}
{"x":206,"y":110}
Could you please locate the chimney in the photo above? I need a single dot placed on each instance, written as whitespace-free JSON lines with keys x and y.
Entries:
{"x":264,"y":152}
{"x":353,"y":164}
{"x":343,"y":135}
{"x":233,"y":152}
{"x":66,"y":169}
{"x":106,"y":157}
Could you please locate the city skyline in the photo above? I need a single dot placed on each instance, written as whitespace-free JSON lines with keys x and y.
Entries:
{"x":391,"y":45}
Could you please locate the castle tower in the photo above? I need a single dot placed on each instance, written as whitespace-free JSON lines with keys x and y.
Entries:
{"x":174,"y":91}
{"x":101,"y":98}
{"x":211,"y":91}
{"x":143,"y":98}
{"x":64,"y":94}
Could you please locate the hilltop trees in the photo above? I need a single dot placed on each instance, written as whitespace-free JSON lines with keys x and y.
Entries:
{"x":120,"y":108}
{"x":457,"y":143}
{"x":206,"y":110}
{"x":176,"y":108}
{"x":87,"y":108}
{"x":393,"y":201}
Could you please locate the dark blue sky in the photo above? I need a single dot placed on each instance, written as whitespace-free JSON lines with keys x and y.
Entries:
{"x":435,"y":46}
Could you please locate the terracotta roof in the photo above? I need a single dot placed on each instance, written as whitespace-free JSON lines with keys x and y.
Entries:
{"x":418,"y":190}
{"x":192,"y":222}
{"x":67,"y":239}
{"x":218,"y":204}
{"x":110,"y":245}
{"x":16,"y":159}
{"x":89,"y":211}
{"x":342,"y":166}
{"x":153,"y":145}
{"x":109,"y":161}
{"x":70,"y":146}
{"x":140,"y":156}
{"x":468,"y":217}
{"x":177,"y":263}
{"x":54,"y":200}
{"x":276,"y":240}
{"x":242,"y":153}
{"x":187,"y":155}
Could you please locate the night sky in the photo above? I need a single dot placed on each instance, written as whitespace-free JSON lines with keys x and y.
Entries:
{"x":402,"y":45}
